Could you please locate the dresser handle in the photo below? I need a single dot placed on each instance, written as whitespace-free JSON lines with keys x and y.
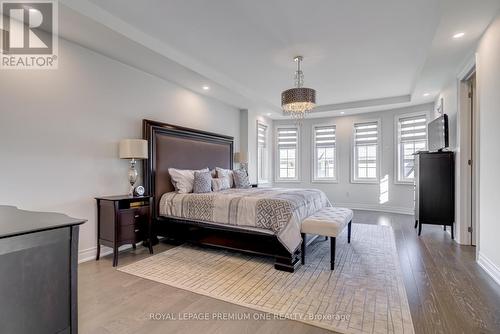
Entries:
{"x":136,"y":216}
{"x":136,"y":230}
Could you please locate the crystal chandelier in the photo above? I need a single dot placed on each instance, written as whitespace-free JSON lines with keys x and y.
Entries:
{"x":298,"y":101}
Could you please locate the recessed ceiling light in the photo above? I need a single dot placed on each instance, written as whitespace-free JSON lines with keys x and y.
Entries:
{"x":342,"y":112}
{"x":427,"y":94}
{"x":206,"y":87}
{"x":459,"y":35}
{"x":268,"y":114}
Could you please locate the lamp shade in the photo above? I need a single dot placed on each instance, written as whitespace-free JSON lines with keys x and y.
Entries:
{"x":240,"y":157}
{"x":133,"y":149}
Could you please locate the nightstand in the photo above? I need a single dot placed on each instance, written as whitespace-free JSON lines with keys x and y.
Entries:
{"x":123,"y":220}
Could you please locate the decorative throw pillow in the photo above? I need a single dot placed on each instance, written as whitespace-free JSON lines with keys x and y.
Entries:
{"x":241,"y":179}
{"x":221,"y":172}
{"x":220,"y":184}
{"x":183,"y":179}
{"x":202,"y":182}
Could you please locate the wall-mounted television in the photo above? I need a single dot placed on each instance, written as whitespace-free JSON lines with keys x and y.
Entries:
{"x":438,"y":134}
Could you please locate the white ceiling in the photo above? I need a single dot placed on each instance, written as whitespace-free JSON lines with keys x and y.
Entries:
{"x":359,"y":55}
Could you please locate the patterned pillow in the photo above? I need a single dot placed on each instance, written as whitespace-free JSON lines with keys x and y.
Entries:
{"x":221,"y":172}
{"x":241,"y":179}
{"x":220,"y":184}
{"x":202,"y":182}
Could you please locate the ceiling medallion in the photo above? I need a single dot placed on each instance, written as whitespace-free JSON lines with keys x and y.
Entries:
{"x":298,"y":101}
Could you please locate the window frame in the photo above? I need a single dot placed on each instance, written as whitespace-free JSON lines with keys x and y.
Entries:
{"x":314,"y":177}
{"x":277,"y":177}
{"x":267,"y":180}
{"x":378,"y":161}
{"x":397,"y":117}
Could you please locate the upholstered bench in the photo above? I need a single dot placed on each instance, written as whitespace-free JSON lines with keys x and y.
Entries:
{"x":327,"y":222}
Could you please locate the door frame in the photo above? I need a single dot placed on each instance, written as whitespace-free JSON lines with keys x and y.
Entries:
{"x":463,"y":176}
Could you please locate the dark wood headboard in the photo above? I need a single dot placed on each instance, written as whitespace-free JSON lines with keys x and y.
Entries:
{"x":171,"y":146}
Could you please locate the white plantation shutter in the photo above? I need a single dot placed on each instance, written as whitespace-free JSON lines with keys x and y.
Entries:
{"x":287,"y":149}
{"x":366,"y":139}
{"x":262,"y":155}
{"x":324,"y":153}
{"x":262,"y":135}
{"x":412,"y":137}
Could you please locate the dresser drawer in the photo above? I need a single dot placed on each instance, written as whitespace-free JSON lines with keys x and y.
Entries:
{"x":134,"y":216}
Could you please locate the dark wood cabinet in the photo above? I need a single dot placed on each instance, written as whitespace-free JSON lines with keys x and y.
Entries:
{"x":123,"y":220}
{"x":38,"y":272}
{"x":435,"y":189}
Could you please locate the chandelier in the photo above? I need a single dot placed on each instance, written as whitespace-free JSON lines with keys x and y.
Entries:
{"x":298,"y":101}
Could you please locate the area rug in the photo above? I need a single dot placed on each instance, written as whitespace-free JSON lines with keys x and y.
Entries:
{"x":364,"y":294}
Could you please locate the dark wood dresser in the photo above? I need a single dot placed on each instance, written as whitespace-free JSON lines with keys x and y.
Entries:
{"x":435,"y":189}
{"x":123,"y":220}
{"x":38,"y":272}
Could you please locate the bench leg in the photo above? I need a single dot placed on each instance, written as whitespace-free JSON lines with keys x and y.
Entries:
{"x":303,"y":248}
{"x":349,"y":232}
{"x":332,"y":253}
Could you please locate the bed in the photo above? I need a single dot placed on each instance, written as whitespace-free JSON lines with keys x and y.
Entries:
{"x":264,"y":221}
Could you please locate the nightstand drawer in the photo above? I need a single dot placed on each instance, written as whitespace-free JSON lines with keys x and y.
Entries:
{"x":130,"y":233}
{"x":134,"y":216}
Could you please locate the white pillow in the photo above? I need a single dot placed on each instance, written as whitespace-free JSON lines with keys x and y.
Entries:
{"x":183,"y":179}
{"x":221,"y":172}
{"x":220,"y":184}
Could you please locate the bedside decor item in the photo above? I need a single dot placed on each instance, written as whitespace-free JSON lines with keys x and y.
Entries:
{"x":123,"y":220}
{"x":139,"y":191}
{"x":202,"y":182}
{"x":133,"y":149}
{"x":298,"y":101}
{"x":241,"y":158}
{"x":241,"y":179}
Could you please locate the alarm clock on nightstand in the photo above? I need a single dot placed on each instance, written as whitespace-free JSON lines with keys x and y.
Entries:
{"x":139,"y":191}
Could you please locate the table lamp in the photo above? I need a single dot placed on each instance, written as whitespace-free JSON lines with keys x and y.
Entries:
{"x":133,"y":149}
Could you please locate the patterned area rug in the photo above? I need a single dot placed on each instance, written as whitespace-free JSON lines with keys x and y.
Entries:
{"x":364,"y":294}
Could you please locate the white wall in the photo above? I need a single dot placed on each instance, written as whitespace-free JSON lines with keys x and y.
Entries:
{"x":488,"y":80}
{"x":353,"y":195}
{"x":59,"y":130}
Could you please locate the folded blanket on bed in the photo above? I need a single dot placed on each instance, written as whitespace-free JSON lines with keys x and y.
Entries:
{"x":273,"y":209}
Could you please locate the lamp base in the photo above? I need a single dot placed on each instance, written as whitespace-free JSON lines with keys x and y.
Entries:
{"x":132,"y":177}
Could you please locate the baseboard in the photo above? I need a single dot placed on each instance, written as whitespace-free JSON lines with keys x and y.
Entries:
{"x":89,"y":254}
{"x":374,"y":207}
{"x":490,"y":268}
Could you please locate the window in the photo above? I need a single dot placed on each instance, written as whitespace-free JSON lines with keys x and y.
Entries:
{"x":325,"y":162}
{"x":411,"y":138}
{"x":287,"y":151}
{"x":365,"y":155}
{"x":262,"y":153}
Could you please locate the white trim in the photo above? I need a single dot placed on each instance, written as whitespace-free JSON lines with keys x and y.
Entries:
{"x":353,"y":179}
{"x":491,"y":268}
{"x":298,"y":155}
{"x":376,"y":207}
{"x":89,"y":254}
{"x":397,"y":117}
{"x":314,"y":179}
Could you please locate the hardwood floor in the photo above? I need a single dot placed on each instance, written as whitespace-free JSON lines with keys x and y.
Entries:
{"x":447,"y":292}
